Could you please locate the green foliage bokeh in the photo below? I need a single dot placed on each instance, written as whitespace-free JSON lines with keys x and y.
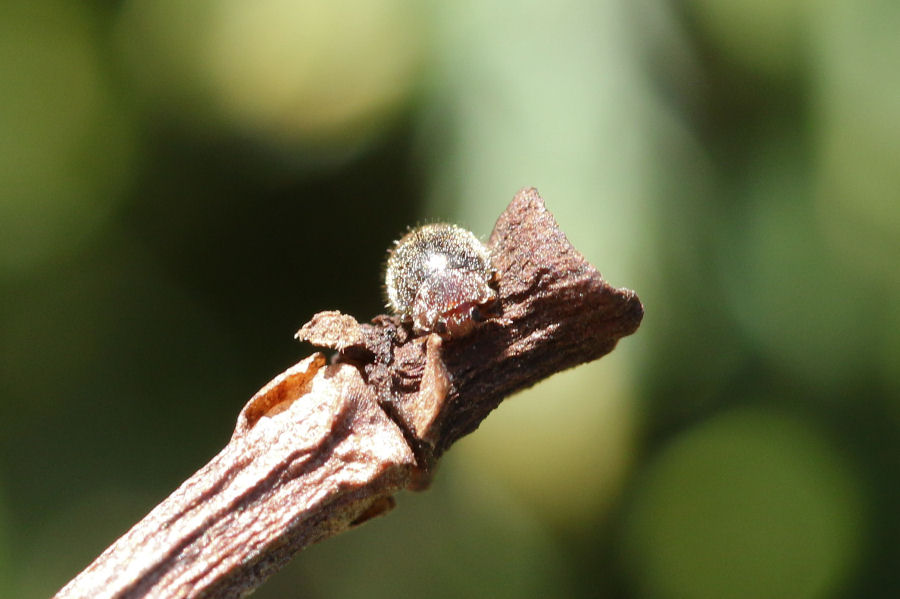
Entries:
{"x":183,"y":184}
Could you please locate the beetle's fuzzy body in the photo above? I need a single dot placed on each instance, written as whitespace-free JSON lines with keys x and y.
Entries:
{"x":440,"y":278}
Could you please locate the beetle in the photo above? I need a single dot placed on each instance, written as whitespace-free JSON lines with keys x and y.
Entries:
{"x":439,"y":277}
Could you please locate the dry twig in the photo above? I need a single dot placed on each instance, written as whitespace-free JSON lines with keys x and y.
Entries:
{"x":322,"y":448}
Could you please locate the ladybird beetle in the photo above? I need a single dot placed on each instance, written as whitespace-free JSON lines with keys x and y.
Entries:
{"x":440,"y":277}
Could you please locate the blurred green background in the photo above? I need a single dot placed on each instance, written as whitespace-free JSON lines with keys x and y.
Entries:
{"x":182,"y":184}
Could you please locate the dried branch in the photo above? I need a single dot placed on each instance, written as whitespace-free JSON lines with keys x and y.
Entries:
{"x":323,"y":447}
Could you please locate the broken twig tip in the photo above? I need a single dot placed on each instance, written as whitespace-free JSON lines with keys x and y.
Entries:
{"x":324,"y":447}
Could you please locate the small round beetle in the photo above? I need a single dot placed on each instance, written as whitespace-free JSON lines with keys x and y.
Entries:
{"x":439,"y":277}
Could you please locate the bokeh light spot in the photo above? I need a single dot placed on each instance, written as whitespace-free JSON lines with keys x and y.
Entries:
{"x":280,"y":71}
{"x":750,"y":504}
{"x":562,"y":447}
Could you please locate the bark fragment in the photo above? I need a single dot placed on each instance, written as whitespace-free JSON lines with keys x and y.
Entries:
{"x":323,"y":448}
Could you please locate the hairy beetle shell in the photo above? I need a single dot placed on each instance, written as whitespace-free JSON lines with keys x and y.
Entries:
{"x":439,"y":277}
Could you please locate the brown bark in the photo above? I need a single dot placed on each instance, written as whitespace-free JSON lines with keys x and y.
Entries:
{"x":323,"y":447}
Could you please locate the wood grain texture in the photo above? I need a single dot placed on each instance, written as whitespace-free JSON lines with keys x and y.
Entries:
{"x":322,"y":447}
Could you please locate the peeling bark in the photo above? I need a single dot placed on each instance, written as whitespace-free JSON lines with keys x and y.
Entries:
{"x":323,"y":448}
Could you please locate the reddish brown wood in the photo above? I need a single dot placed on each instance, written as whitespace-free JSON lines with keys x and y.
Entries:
{"x":325,"y":447}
